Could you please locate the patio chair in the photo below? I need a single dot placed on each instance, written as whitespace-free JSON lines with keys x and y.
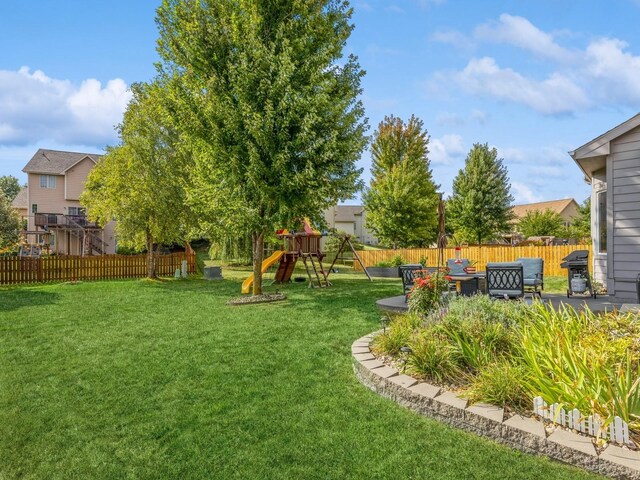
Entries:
{"x":457,"y":268}
{"x":505,"y":280}
{"x":533,"y":269}
{"x":407,"y":272}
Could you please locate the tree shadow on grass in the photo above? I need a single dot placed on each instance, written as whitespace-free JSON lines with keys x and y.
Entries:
{"x":15,"y":299}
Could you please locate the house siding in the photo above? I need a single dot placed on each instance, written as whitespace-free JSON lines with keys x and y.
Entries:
{"x":624,"y":217}
{"x":76,"y":177}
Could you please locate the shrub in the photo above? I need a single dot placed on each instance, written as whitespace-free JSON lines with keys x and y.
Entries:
{"x":397,"y":335}
{"x":500,"y":383}
{"x":432,"y":357}
{"x":563,"y":366}
{"x":426,"y":293}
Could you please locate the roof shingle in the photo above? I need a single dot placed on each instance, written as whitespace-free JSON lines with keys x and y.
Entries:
{"x":55,"y":162}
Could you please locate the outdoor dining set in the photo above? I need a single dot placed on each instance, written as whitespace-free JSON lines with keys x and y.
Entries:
{"x":499,"y":280}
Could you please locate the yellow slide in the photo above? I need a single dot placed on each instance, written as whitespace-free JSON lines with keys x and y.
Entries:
{"x":246,"y":285}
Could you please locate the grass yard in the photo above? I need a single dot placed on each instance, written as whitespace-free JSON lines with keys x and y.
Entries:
{"x":138,"y":379}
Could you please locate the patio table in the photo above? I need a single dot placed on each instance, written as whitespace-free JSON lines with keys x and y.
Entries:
{"x":469,"y":283}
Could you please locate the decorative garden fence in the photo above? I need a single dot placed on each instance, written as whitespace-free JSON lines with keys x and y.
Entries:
{"x":618,"y":430}
{"x":552,"y":255}
{"x":15,"y":270}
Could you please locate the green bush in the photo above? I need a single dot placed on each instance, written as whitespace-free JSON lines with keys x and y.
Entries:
{"x":426,"y":294}
{"x":394,"y":262}
{"x":500,"y":383}
{"x":432,"y":357}
{"x":397,"y":335}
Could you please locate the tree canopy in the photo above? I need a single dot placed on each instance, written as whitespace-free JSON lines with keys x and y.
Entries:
{"x":9,"y":223}
{"x":581,"y":223}
{"x":480,"y":206}
{"x":537,"y":224}
{"x":401,"y":201}
{"x":263,"y":92}
{"x":9,"y":186}
{"x":140,"y":183}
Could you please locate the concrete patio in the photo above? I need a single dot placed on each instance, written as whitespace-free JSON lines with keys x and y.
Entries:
{"x":603,"y":303}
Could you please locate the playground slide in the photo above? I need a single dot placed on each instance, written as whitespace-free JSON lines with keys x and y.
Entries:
{"x":246,"y":285}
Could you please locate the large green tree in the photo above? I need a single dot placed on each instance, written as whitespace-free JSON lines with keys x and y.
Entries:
{"x":9,"y":186}
{"x":9,"y":223}
{"x":262,"y":87}
{"x":536,"y":224}
{"x":139,"y":183}
{"x":480,"y":205}
{"x":402,"y":201}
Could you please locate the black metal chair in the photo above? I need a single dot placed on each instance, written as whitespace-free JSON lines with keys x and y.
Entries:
{"x":505,"y":280}
{"x":407,"y":272}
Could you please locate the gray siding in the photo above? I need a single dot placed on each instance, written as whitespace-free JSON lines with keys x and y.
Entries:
{"x":624,"y":223}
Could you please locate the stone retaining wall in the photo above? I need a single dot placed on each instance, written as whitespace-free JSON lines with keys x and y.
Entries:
{"x":523,"y":433}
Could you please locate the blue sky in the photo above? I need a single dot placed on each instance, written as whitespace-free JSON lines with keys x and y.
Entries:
{"x":534,"y":79}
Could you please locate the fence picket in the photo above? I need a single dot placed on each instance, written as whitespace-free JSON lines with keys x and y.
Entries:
{"x":552,"y":255}
{"x":16,"y":270}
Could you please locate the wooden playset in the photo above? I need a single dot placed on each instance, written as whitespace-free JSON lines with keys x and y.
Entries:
{"x":304,"y":245}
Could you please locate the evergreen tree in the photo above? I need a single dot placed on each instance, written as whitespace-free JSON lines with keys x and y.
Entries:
{"x":538,"y":224}
{"x":263,"y":89}
{"x":402,"y":200}
{"x":480,"y":206}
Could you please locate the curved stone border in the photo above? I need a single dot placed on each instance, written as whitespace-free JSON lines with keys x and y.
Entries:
{"x":523,"y":433}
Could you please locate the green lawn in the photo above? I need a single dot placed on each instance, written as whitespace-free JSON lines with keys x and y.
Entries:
{"x":138,"y":379}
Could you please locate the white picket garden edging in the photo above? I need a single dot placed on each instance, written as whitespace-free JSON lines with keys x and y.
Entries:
{"x":617,"y":431}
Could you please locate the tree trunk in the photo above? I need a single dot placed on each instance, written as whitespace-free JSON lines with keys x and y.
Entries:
{"x":151,"y":260}
{"x":257,"y":240}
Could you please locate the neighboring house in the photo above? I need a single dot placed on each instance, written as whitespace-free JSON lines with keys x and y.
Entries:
{"x":567,"y":208}
{"x":21,"y":203}
{"x":350,"y":219}
{"x":51,"y":205}
{"x":611,"y":164}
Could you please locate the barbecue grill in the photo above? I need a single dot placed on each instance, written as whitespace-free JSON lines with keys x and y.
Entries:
{"x":577,"y":265}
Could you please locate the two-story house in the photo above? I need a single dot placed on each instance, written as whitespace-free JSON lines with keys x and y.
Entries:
{"x":51,"y":202}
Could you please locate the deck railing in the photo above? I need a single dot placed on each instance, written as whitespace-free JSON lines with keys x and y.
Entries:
{"x":56,"y":220}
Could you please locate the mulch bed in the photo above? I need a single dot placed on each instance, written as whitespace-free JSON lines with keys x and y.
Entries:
{"x":253,"y":299}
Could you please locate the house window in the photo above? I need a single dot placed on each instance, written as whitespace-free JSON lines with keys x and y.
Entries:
{"x":34,"y":208}
{"x":47,"y":181}
{"x":602,"y":221}
{"x":79,"y":211}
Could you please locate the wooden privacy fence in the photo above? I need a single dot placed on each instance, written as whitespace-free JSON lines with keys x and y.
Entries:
{"x":14,"y":270}
{"x":552,"y":255}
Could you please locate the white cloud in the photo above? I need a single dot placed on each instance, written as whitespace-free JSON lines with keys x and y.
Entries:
{"x":523,"y":194}
{"x":479,"y":116}
{"x":556,"y":94}
{"x":511,"y":154}
{"x":455,"y":38}
{"x":444,"y":149}
{"x":522,"y":33}
{"x":546,"y":171}
{"x":614,"y":71}
{"x":36,"y":108}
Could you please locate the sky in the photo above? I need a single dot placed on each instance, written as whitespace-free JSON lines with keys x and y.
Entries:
{"x":533,"y":79}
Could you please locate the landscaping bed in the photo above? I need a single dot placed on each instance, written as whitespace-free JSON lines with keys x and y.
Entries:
{"x":506,"y":353}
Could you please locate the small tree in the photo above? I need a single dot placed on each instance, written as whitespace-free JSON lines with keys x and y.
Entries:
{"x":581,"y":223}
{"x":9,"y":186}
{"x":9,"y":223}
{"x":537,"y":224}
{"x":139,"y":182}
{"x":402,"y":200}
{"x":263,"y":89}
{"x":480,"y":206}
